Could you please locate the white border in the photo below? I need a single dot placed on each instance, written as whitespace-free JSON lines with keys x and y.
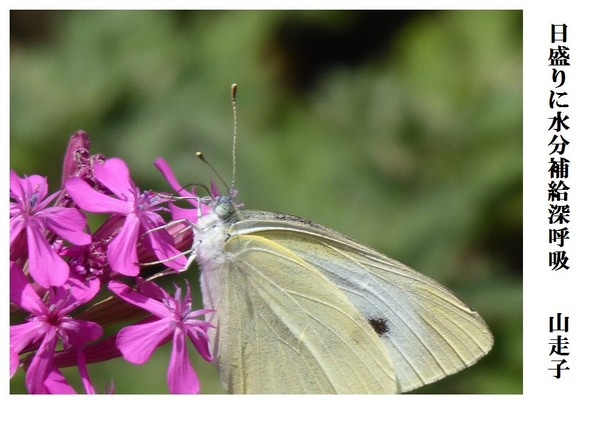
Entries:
{"x":545,"y":404}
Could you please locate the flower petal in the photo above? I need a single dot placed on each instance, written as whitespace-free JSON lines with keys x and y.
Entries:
{"x":17,"y":225}
{"x":77,"y":142}
{"x":41,"y":365}
{"x":81,"y":291}
{"x":214,"y":190}
{"x":180,"y":213}
{"x":17,"y":187}
{"x":28,"y":190}
{"x":46,"y":267}
{"x":138,"y":342}
{"x":161,"y":243}
{"x":168,"y":174}
{"x":114,"y":175}
{"x":122,"y":251}
{"x":153,"y":306}
{"x":83,"y":372}
{"x":200,"y":342}
{"x":181,"y":377}
{"x":154,"y":291}
{"x":24,"y":334}
{"x":88,"y":199}
{"x":79,"y":332}
{"x":67,"y":223}
{"x":14,"y":361}
{"x":22,"y":293}
{"x":56,"y":383}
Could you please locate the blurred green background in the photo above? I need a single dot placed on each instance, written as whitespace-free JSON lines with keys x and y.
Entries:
{"x":400,"y":129}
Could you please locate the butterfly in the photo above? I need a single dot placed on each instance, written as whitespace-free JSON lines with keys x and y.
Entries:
{"x":300,"y":308}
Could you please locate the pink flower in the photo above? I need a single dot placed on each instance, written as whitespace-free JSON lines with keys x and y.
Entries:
{"x":49,"y":323}
{"x":175,"y":320}
{"x":135,"y":211}
{"x":30,"y":216}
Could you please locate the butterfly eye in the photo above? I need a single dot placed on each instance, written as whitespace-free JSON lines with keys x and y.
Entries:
{"x":223,"y":210}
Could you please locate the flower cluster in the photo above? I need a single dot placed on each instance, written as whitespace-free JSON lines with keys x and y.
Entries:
{"x":68,"y":283}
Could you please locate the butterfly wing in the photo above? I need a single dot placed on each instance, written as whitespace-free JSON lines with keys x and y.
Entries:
{"x":427,"y":331}
{"x":282,"y":327}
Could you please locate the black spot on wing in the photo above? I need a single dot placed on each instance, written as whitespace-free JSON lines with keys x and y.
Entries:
{"x":379,"y":325}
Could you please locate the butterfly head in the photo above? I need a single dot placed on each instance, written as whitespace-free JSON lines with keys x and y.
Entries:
{"x":225,"y":207}
{"x":221,"y":205}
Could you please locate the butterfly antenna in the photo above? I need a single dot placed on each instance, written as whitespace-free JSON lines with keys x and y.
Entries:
{"x":233,"y":106}
{"x":200,"y":156}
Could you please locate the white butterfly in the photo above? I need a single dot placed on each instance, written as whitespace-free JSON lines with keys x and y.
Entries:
{"x":300,"y":308}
